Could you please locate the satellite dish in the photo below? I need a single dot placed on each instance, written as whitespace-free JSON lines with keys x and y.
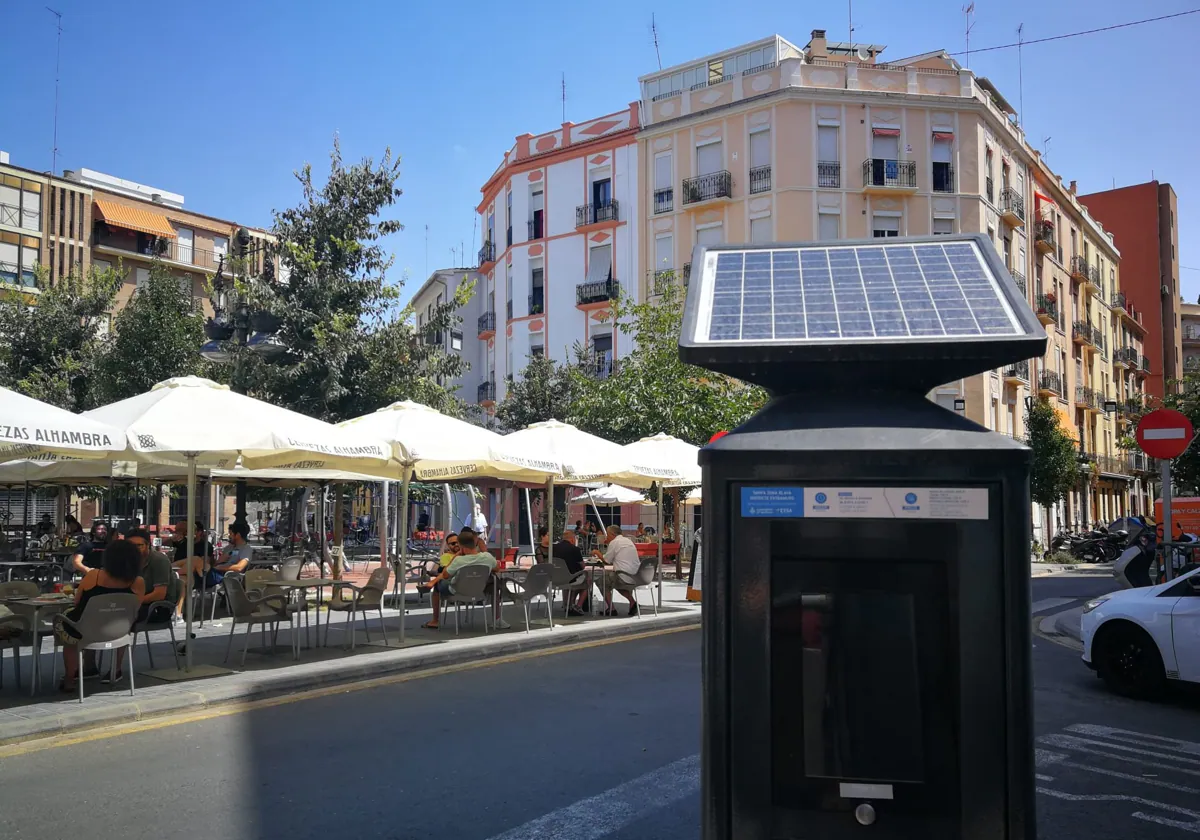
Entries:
{"x":864,"y":54}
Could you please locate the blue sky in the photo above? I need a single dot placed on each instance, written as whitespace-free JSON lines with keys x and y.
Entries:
{"x":222,"y":101}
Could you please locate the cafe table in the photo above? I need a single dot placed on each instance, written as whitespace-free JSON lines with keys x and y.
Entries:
{"x":33,"y":608}
{"x":301,"y":585}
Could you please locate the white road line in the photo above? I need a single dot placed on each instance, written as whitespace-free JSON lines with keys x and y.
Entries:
{"x":1049,"y":604}
{"x":1072,"y":742}
{"x":1193,"y":826}
{"x":1116,"y":774}
{"x":601,"y":815}
{"x":1139,"y":738}
{"x":1043,"y":778}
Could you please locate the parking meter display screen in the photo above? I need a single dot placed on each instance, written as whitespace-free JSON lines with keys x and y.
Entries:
{"x":860,"y":653}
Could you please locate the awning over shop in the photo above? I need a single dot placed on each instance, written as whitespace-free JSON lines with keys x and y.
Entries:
{"x":1067,"y":424}
{"x":134,"y":218}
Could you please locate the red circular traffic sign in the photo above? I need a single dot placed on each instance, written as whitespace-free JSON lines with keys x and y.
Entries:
{"x":1164,"y":433}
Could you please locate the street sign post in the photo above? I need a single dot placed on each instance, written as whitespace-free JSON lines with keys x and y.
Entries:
{"x":1165,"y":434}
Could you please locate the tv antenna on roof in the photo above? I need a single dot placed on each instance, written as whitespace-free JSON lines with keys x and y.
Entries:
{"x":654,"y":35}
{"x":564,"y":96}
{"x":57,"y":63}
{"x":850,"y":16}
{"x":968,"y":12}
{"x":1046,"y":146}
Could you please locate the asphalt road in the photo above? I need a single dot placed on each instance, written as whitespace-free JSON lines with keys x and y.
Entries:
{"x":595,"y":743}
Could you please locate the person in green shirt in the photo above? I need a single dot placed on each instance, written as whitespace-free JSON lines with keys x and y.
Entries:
{"x":442,"y":585}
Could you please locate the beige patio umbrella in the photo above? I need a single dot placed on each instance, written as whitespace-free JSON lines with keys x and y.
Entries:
{"x":196,"y":422}
{"x":29,"y":426}
{"x":676,"y":463}
{"x":432,"y":446}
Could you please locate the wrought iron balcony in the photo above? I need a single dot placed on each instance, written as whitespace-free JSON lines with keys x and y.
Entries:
{"x":508,"y":310}
{"x":659,"y":280}
{"x":1127,"y":356}
{"x":1086,"y":397}
{"x":1081,"y":331}
{"x":760,"y":179}
{"x":1047,"y":308}
{"x":943,"y":177}
{"x":707,"y":187}
{"x":1012,"y":205}
{"x":1049,"y":380}
{"x":598,"y":364}
{"x":829,"y":174}
{"x":1019,"y":279}
{"x":487,"y":323}
{"x":487,"y":254}
{"x":664,"y":200}
{"x":1119,"y":301}
{"x":991,"y":196}
{"x":591,"y":214}
{"x":486,"y":392}
{"x":889,"y":174}
{"x":537,"y":302}
{"x":534,"y":228}
{"x":1019,"y":370}
{"x":1043,"y":236}
{"x":1145,"y":364}
{"x":1114,"y":465}
{"x":597,"y":292}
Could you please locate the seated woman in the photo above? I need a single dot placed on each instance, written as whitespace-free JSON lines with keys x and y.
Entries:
{"x":118,"y":573}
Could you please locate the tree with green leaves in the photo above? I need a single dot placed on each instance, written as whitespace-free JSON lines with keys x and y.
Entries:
{"x":155,"y":337}
{"x":1184,"y":397}
{"x":651,"y":389}
{"x":49,"y":340}
{"x":352,"y":348}
{"x":1055,"y":472}
{"x":545,"y":390}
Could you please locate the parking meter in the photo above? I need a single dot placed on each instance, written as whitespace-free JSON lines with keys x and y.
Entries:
{"x":866,"y":626}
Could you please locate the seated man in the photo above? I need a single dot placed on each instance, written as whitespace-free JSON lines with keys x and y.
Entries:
{"x":620,"y":556}
{"x":155,"y":572}
{"x":235,"y":557}
{"x":443,"y":584}
{"x":573,"y":558}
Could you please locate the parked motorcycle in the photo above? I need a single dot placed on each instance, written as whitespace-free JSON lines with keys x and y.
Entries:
{"x":1100,"y":545}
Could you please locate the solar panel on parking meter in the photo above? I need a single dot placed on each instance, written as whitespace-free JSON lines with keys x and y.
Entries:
{"x":866,"y":627}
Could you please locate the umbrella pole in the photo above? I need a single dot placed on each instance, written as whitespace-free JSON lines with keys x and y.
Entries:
{"x":529,"y":512}
{"x":25,"y":525}
{"x":403,"y":537}
{"x":549,"y":521}
{"x":595,"y":510}
{"x":660,"y":539}
{"x":382,"y":525}
{"x":191,"y":542}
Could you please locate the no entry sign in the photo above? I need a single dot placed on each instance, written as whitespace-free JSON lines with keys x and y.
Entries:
{"x":1164,"y":433}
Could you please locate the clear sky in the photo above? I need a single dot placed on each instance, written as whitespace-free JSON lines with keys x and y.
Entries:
{"x":221,"y":101}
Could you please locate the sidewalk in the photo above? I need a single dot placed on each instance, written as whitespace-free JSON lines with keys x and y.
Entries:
{"x":274,"y":672}
{"x":1042,"y":569}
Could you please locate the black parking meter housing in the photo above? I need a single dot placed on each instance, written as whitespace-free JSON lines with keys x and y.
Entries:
{"x":866,"y":630}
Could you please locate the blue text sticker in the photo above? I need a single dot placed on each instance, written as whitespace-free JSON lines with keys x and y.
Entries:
{"x":772,"y":502}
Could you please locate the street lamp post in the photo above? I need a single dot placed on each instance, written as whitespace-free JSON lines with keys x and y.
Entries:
{"x":235,"y":327}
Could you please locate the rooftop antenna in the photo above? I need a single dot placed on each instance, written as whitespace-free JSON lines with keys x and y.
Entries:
{"x":654,"y":34}
{"x":968,"y":12}
{"x":426,"y":250}
{"x":564,"y":96}
{"x":850,"y":15}
{"x":1020,"y":73}
{"x":57,"y":63}
{"x":1046,"y":146}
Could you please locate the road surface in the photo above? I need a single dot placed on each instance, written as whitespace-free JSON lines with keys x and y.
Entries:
{"x":595,"y":743}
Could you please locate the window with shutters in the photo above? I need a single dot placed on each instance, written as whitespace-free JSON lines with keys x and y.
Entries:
{"x":709,"y":158}
{"x":885,"y":227}
{"x":760,"y":161}
{"x":829,"y":166}
{"x":664,"y":191}
{"x":713,"y":235}
{"x":829,"y":227}
{"x":760,"y":230}
{"x":943,"y":227}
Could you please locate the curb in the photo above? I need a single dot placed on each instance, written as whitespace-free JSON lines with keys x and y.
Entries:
{"x":1067,"y":623}
{"x":107,"y":710}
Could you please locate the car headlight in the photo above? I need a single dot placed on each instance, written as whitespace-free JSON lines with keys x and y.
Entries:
{"x":1095,"y":602}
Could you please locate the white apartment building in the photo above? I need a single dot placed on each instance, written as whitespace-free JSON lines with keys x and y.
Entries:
{"x":460,"y":340}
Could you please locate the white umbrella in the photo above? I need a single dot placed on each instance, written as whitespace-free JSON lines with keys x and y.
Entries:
{"x":675,"y":462}
{"x":611,"y":494}
{"x":435,"y":447}
{"x":195,"y":421}
{"x":693,"y":498}
{"x":29,"y":426}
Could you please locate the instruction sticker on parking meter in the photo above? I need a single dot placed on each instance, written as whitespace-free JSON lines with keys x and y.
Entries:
{"x":866,"y":502}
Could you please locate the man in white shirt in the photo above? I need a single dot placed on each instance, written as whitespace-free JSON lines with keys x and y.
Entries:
{"x":620,"y":556}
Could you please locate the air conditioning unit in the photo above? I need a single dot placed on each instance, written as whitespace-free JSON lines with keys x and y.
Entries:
{"x":1165,"y":291}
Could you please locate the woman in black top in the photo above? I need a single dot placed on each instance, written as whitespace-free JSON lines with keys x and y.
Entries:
{"x":118,"y":573}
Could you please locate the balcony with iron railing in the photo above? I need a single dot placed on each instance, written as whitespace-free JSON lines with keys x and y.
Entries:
{"x":535,"y":228}
{"x":760,"y":179}
{"x":1190,"y":334}
{"x":487,"y":254}
{"x":829,"y":174}
{"x":710,"y":187}
{"x":1043,"y":236}
{"x":1017,"y":372}
{"x":485,"y":393}
{"x":1046,"y":307}
{"x":943,"y":177}
{"x":884,"y":176}
{"x":1126,"y":357}
{"x":1050,"y":382}
{"x":989,"y":189}
{"x":1081,"y":332}
{"x":1142,"y":464}
{"x":659,"y":280}
{"x":594,"y":214}
{"x":664,"y":200}
{"x":155,"y":247}
{"x":537,"y":301}
{"x":1099,"y":341}
{"x":487,"y":324}
{"x":1114,"y":465}
{"x":1019,"y":279}
{"x":1145,"y":368}
{"x":1088,"y":275}
{"x":1012,"y":207}
{"x":599,"y":364}
{"x":508,"y":310}
{"x":1086,"y":398}
{"x":599,"y":291}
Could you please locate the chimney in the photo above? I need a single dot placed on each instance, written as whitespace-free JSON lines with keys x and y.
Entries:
{"x":1073,"y":186}
{"x":816,"y":45}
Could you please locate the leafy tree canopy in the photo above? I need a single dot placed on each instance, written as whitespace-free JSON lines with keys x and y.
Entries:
{"x":49,"y":343}
{"x":1055,"y":471}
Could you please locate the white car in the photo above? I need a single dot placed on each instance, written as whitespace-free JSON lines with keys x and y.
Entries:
{"x":1137,"y":639}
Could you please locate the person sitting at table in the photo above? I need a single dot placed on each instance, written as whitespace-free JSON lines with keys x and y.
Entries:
{"x":201,"y":548}
{"x":620,"y":556}
{"x":640,"y":534}
{"x":573,"y":558}
{"x":443,"y":584}
{"x":541,"y":552}
{"x":45,"y":527}
{"x":449,"y":552}
{"x":118,"y":573}
{"x":156,"y":575}
{"x":235,"y":557}
{"x":89,"y":550}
